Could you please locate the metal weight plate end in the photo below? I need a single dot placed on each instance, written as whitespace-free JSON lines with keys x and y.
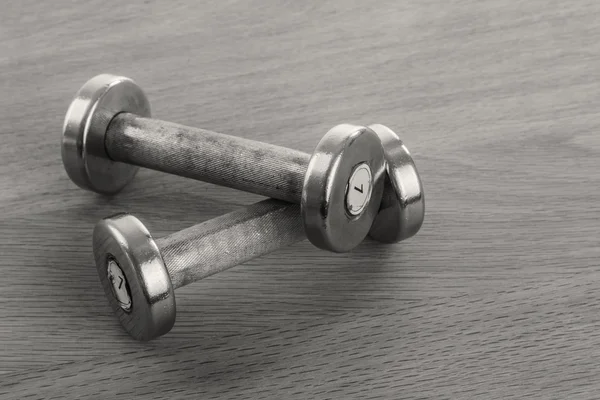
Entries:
{"x":83,"y":151}
{"x":134,"y":276}
{"x":403,"y":205}
{"x":343,"y":187}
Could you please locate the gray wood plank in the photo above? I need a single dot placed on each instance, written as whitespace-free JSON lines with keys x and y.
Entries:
{"x":495,"y":298}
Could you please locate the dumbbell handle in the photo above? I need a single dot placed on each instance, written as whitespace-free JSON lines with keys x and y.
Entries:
{"x":225,"y":160}
{"x":229,"y":240}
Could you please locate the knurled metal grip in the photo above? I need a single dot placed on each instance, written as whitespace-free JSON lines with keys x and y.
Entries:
{"x":139,"y":274}
{"x":225,"y":160}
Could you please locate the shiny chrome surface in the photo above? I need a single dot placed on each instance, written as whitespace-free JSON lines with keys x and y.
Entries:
{"x":124,"y":240}
{"x":402,"y":208}
{"x":84,"y":130}
{"x":327,"y":222}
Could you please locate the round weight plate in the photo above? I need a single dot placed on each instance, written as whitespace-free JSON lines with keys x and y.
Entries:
{"x":83,"y":152}
{"x":342,"y":189}
{"x":403,"y":205}
{"x":134,"y":276}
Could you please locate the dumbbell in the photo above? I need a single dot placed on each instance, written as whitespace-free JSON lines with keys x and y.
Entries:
{"x":107,"y":135}
{"x":139,"y":274}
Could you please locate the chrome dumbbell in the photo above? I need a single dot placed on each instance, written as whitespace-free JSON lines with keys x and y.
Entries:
{"x":107,"y":134}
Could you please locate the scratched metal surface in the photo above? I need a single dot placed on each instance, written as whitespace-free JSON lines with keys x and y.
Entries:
{"x":248,"y":165}
{"x":496,"y":298}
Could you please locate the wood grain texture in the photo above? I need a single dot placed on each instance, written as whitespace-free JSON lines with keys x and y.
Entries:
{"x":497,"y":296}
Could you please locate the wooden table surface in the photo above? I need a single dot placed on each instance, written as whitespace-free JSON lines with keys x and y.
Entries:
{"x":497,"y":297}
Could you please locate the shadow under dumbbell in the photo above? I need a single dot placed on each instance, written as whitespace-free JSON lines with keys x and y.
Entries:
{"x":168,"y":203}
{"x":263,"y":318}
{"x":294,"y":284}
